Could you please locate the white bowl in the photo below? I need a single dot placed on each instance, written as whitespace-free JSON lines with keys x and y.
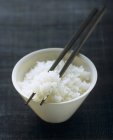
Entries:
{"x":52,"y":112}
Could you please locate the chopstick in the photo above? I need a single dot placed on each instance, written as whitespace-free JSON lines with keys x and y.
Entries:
{"x":69,"y":45}
{"x":30,"y":98}
{"x":43,"y":100}
{"x":74,"y":38}
{"x":87,"y":27}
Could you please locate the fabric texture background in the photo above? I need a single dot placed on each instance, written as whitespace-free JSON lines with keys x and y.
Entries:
{"x":26,"y":26}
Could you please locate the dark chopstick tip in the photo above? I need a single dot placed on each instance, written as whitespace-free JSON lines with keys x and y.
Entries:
{"x":43,"y":100}
{"x":30,"y":98}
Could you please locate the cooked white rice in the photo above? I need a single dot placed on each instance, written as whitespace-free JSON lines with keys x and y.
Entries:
{"x":74,"y":82}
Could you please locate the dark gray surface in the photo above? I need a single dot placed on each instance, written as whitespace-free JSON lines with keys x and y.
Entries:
{"x":26,"y":26}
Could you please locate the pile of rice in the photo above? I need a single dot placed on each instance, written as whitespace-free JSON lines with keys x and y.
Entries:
{"x":74,"y":82}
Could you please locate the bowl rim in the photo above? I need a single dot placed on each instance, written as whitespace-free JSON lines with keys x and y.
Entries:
{"x":90,"y":64}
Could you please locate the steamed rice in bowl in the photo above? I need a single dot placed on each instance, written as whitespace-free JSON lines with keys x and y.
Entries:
{"x":75,"y":82}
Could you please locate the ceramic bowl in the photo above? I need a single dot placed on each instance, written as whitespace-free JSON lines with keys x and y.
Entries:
{"x":52,"y":112}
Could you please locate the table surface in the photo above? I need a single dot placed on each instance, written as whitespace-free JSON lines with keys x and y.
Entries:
{"x":26,"y":26}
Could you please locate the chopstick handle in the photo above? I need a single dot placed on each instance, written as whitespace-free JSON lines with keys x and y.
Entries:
{"x":83,"y":39}
{"x":74,"y":38}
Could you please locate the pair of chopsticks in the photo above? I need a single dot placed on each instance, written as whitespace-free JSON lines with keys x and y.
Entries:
{"x":77,"y":41}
